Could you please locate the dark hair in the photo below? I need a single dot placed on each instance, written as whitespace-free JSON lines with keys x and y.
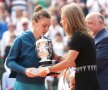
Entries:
{"x":39,"y":13}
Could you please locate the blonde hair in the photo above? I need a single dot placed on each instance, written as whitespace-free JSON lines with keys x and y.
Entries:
{"x":75,"y":19}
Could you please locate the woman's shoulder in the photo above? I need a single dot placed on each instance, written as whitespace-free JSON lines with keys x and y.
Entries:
{"x":82,"y":34}
{"x":78,"y":34}
{"x":25,"y":34}
{"x":83,"y":37}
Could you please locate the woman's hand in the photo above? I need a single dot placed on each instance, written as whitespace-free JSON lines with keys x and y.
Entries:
{"x":42,"y":72}
{"x":29,"y":72}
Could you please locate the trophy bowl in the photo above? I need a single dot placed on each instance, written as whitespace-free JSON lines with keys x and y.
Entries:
{"x":44,"y":50}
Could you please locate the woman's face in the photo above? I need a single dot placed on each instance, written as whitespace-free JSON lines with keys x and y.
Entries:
{"x":63,"y":21}
{"x":42,"y":26}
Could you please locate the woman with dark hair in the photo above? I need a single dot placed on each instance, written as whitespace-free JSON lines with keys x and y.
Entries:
{"x":23,"y":58}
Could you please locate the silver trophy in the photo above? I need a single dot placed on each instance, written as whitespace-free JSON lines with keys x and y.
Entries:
{"x":44,"y":49}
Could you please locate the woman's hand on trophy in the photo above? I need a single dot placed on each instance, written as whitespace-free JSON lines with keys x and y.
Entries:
{"x":29,"y":72}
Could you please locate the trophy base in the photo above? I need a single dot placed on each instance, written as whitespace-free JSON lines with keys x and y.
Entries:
{"x":45,"y":63}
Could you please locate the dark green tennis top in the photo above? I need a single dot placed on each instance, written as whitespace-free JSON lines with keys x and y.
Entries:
{"x":23,"y":55}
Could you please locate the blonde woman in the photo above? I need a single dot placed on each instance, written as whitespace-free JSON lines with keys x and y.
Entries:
{"x":81,"y":54}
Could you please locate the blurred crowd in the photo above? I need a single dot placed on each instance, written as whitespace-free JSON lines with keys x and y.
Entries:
{"x":15,"y":18}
